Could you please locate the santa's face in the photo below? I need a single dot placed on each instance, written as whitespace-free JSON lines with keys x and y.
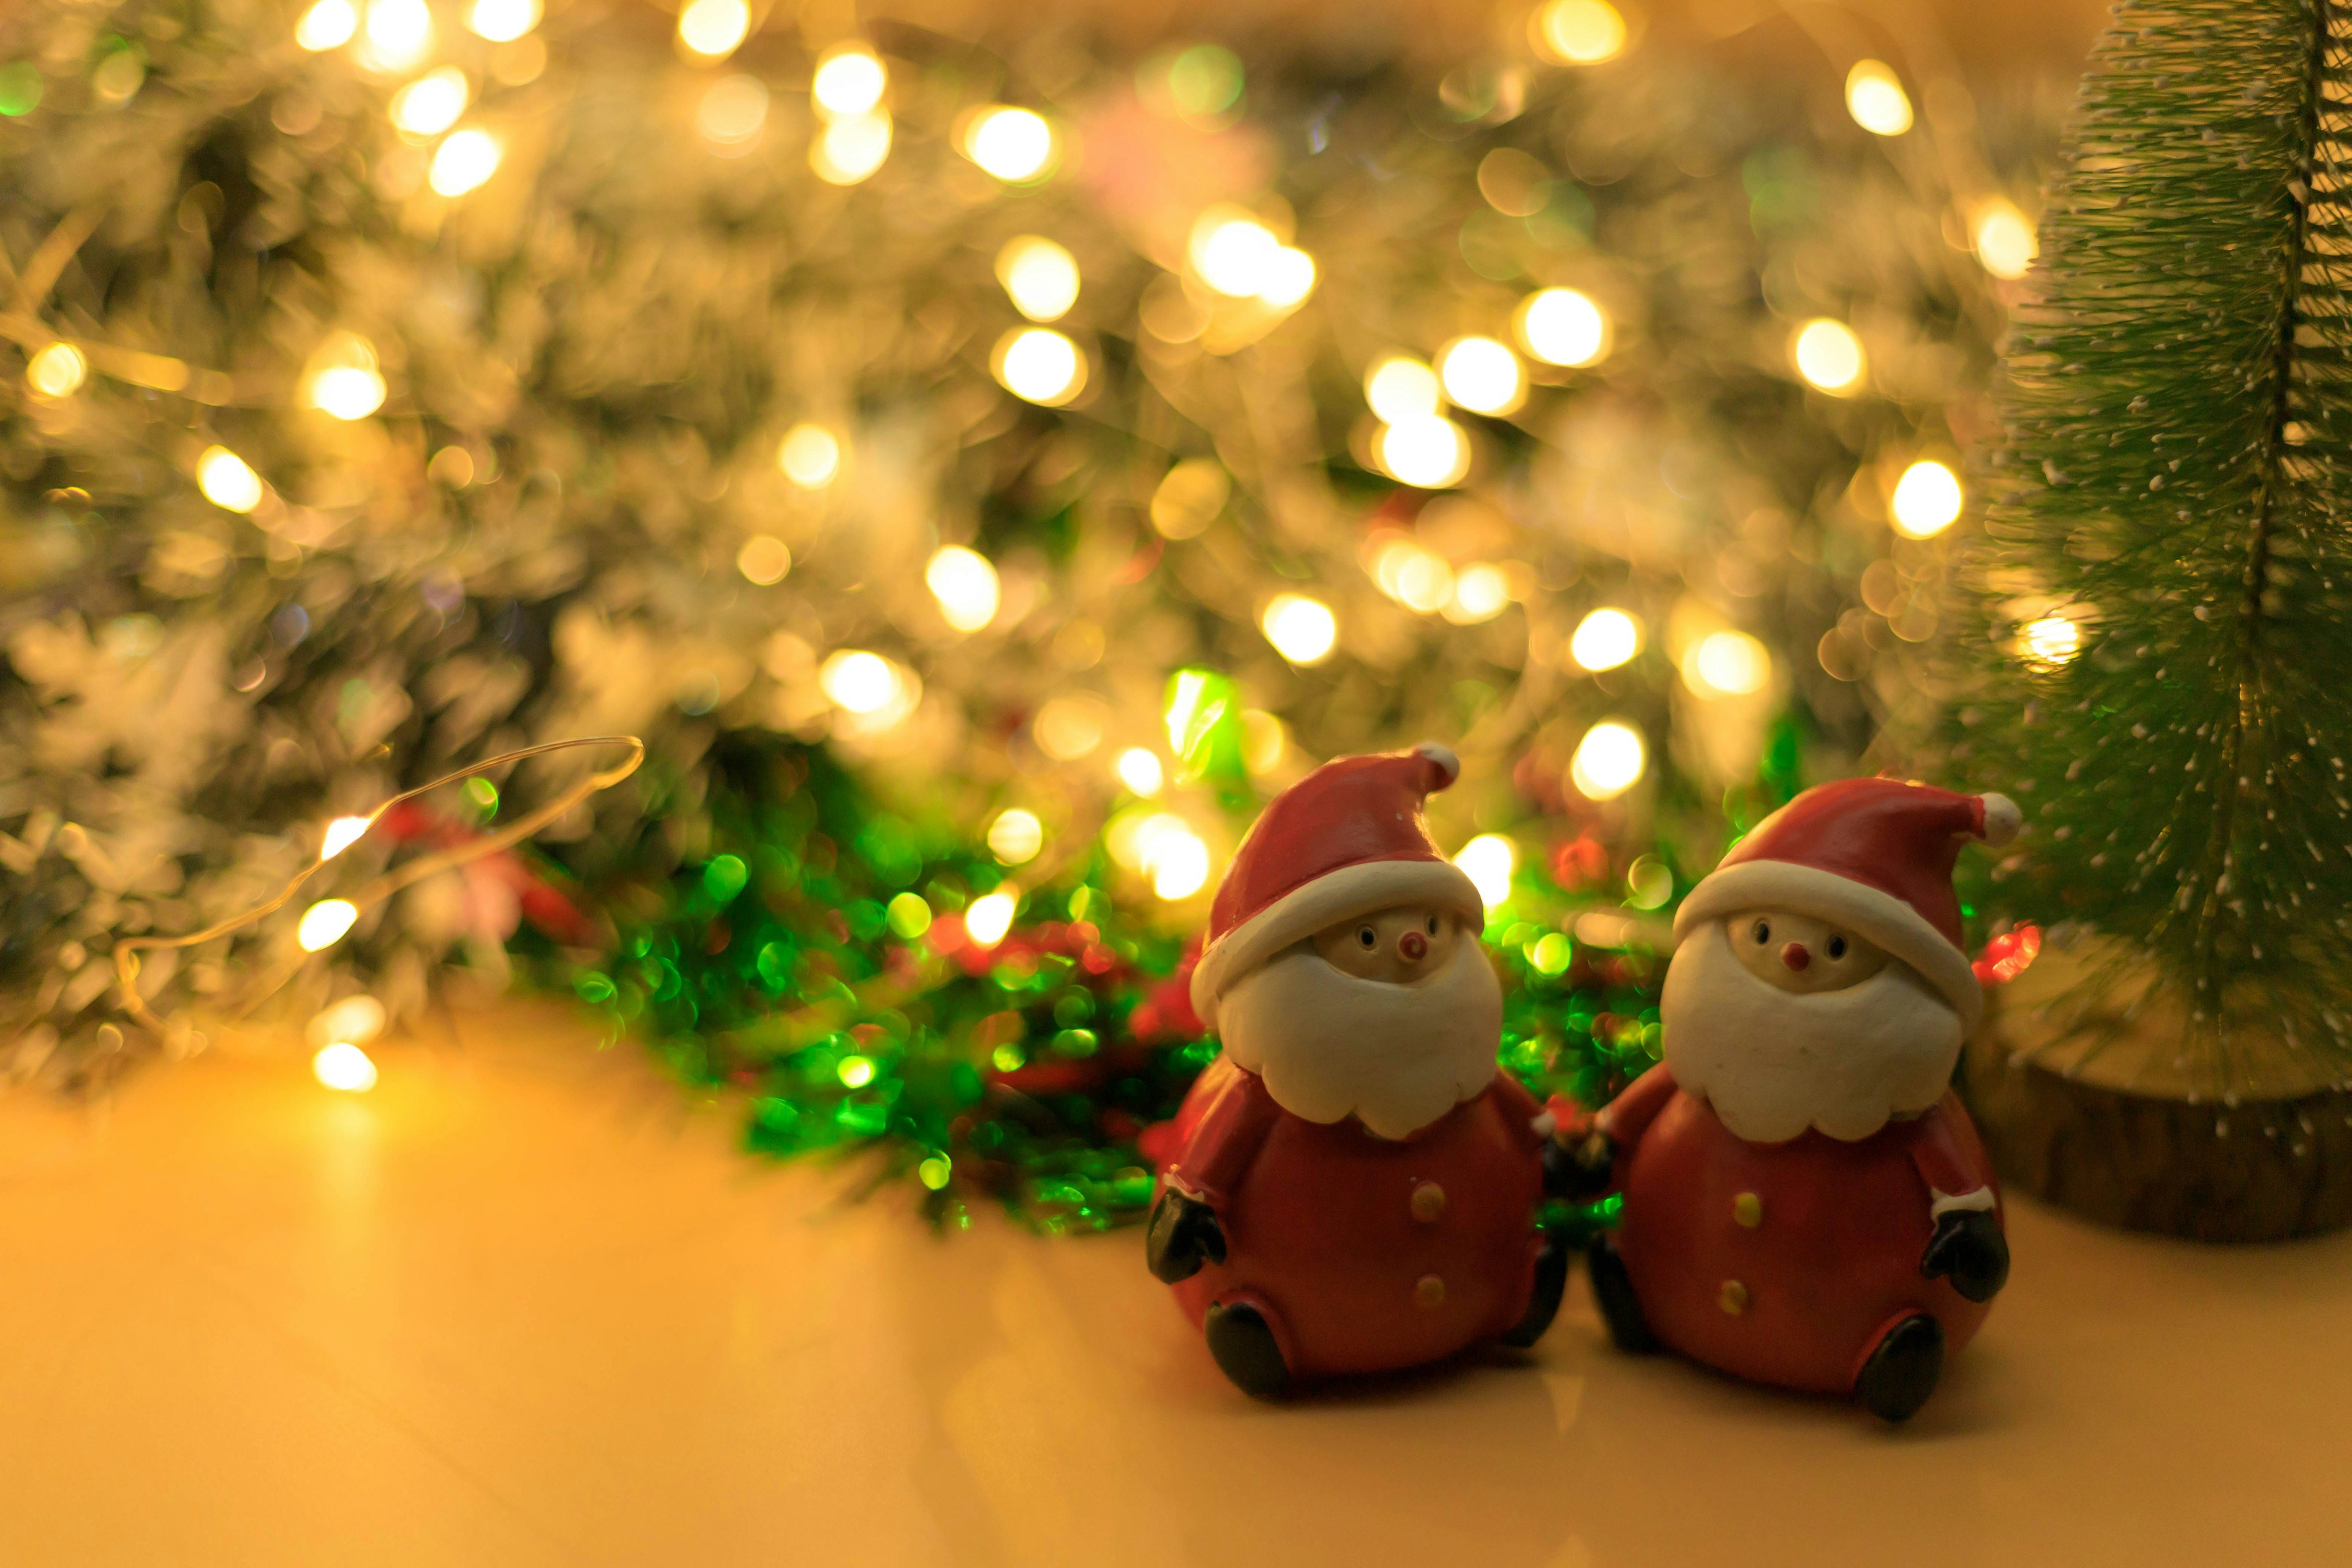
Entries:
{"x":1837,"y":1035}
{"x":1392,"y":1018}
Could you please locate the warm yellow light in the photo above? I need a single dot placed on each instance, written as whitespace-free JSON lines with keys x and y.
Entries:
{"x":1488,"y":861}
{"x":713,"y":29}
{"x":1179,"y":863}
{"x":58,"y":371}
{"x":1561,"y":326}
{"x":964,"y":584}
{"x":399,"y":33}
{"x":810,"y":456}
{"x":1426,"y":451}
{"x":1013,"y":144}
{"x":1605,"y":639}
{"x":1289,"y":278}
{"x":503,"y":21}
{"x":1141,"y":772}
{"x":227,"y":482}
{"x":1874,"y":97}
{"x":1041,"y":366}
{"x":1416,"y":577}
{"x":1609,"y":760}
{"x":1068,"y":728}
{"x":1015,"y":836}
{"x":1731,"y":664}
{"x":851,"y":148}
{"x":464,"y":162}
{"x":2005,"y":240}
{"x":1189,"y":498}
{"x":1401,"y":388}
{"x":1262,"y":741}
{"x":1234,"y":253}
{"x":342,"y":1066}
{"x":1481,"y":591}
{"x":1302,"y":630}
{"x":1481,"y":375}
{"x":1579,"y":32}
{"x":1828,"y":355}
{"x":327,"y":25}
{"x":858,"y":682}
{"x":340,"y":835}
{"x":2052,"y":641}
{"x":431,"y":104}
{"x":849,"y":80}
{"x":344,"y":380}
{"x":1041,"y":276}
{"x":764,"y":559}
{"x":855,"y":1071}
{"x":732,"y":110}
{"x":324,"y":923}
{"x":1926,"y":499}
{"x":990,"y":917}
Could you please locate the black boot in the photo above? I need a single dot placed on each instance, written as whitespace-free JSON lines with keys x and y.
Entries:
{"x":1612,"y":1293}
{"x":1551,"y":1284}
{"x":1244,"y":1346}
{"x":1902,"y":1370}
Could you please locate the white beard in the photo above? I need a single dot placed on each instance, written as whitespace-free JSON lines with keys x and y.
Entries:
{"x":1330,"y":1045}
{"x":1773,"y":1063}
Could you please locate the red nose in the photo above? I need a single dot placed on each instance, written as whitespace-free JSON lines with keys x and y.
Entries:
{"x":1795,"y":956}
{"x":1413,"y":945}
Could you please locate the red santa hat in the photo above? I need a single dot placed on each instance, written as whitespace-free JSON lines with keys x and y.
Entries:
{"x":1874,"y":856}
{"x":1345,"y":840}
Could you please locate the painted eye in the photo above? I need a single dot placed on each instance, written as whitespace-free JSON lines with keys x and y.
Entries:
{"x":1837,"y":947}
{"x":1366,"y":936}
{"x":1432,"y":925}
{"x":1763,"y":933}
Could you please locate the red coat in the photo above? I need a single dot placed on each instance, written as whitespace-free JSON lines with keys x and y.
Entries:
{"x":1364,"y":1253}
{"x":1784,"y":1262}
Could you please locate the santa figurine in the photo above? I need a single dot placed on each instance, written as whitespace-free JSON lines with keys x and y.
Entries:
{"x":1355,"y":1183}
{"x":1806,"y":1203}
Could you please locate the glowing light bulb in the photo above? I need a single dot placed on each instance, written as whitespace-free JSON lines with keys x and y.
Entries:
{"x":732,"y":111}
{"x":1179,"y":864}
{"x":1041,"y":278}
{"x":810,"y":456}
{"x":849,"y":80}
{"x":58,"y":371}
{"x":713,"y":29}
{"x":1481,"y":591}
{"x":340,"y":835}
{"x":1874,"y":97}
{"x":464,"y":162}
{"x":399,"y":33}
{"x":857,"y":681}
{"x":1015,"y":836}
{"x":1488,"y":861}
{"x":1926,"y":499}
{"x":1012,"y":144}
{"x":1401,"y":388}
{"x":1579,"y":32}
{"x":990,"y":917}
{"x":431,"y":104}
{"x":324,"y":923}
{"x":1481,"y":375}
{"x":1040,"y":365}
{"x":1731,"y":664}
{"x":2052,"y":642}
{"x":1302,"y":630}
{"x":1289,"y":278}
{"x":1141,"y":772}
{"x":1561,"y":326}
{"x":1828,"y":355}
{"x":503,"y":21}
{"x":227,"y":480}
{"x":327,"y":25}
{"x":1426,"y":451}
{"x":764,"y":559}
{"x":1605,"y":639}
{"x":343,"y":1066}
{"x":964,"y":584}
{"x":1234,"y":253}
{"x":344,"y":380}
{"x":851,"y":148}
{"x":1609,"y":760}
{"x":2005,"y":241}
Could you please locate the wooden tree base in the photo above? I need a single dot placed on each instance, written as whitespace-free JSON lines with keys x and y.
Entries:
{"x":2125,"y":1139}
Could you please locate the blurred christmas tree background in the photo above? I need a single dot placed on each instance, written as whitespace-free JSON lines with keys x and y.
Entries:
{"x":982,"y":461}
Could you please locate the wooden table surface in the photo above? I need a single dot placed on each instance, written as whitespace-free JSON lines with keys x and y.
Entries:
{"x":525,"y":1304}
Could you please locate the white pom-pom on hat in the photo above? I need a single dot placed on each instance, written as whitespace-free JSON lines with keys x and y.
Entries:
{"x":1448,"y":764}
{"x":2001,"y":819}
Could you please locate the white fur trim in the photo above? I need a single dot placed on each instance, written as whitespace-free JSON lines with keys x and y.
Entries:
{"x":1950,"y":1203}
{"x":1448,"y":762}
{"x":1880,"y":916}
{"x":1329,"y":899}
{"x":2003,"y":819}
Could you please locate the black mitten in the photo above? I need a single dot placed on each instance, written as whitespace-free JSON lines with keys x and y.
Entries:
{"x":1183,"y":1233}
{"x":1968,"y":1246}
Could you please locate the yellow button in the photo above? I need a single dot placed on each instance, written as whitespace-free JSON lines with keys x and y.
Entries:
{"x":1732,"y":1297}
{"x":1428,"y":1202}
{"x":1748,"y":1210}
{"x":1429,"y":1291}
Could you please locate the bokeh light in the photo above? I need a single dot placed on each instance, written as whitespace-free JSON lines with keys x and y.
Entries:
{"x":324,"y":923}
{"x":851,"y":149}
{"x":1234,"y":253}
{"x":1068,"y":728}
{"x":1039,"y":276}
{"x":1481,"y":592}
{"x":1413,"y":574}
{"x":1926,"y":499}
{"x":1015,"y":836}
{"x":344,"y":1067}
{"x":732,"y":110}
{"x":1579,"y":32}
{"x":1609,"y":760}
{"x":1190,"y":497}
{"x":965,"y":585}
{"x":2006,"y":245}
{"x":1874,"y":97}
{"x":1302,"y":630}
{"x":465,"y":162}
{"x":1427,"y":451}
{"x":1564,"y":327}
{"x":344,"y":380}
{"x":1481,"y":375}
{"x":1141,"y":772}
{"x":764,"y":559}
{"x":340,"y":835}
{"x":857,"y":681}
{"x":1040,"y":365}
{"x":1828,"y":355}
{"x":990,"y":916}
{"x":399,"y":33}
{"x":1178,"y":861}
{"x":503,"y":21}
{"x":1289,"y":278}
{"x":1488,"y":861}
{"x":57,"y":371}
{"x":329,"y":25}
{"x":810,"y":456}
{"x":1015,"y":145}
{"x":431,"y":104}
{"x":227,"y":480}
{"x":1605,"y":639}
{"x":1726,"y":664}
{"x":713,"y":29}
{"x":1399,"y":387}
{"x":849,"y":80}
{"x":2052,"y":642}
